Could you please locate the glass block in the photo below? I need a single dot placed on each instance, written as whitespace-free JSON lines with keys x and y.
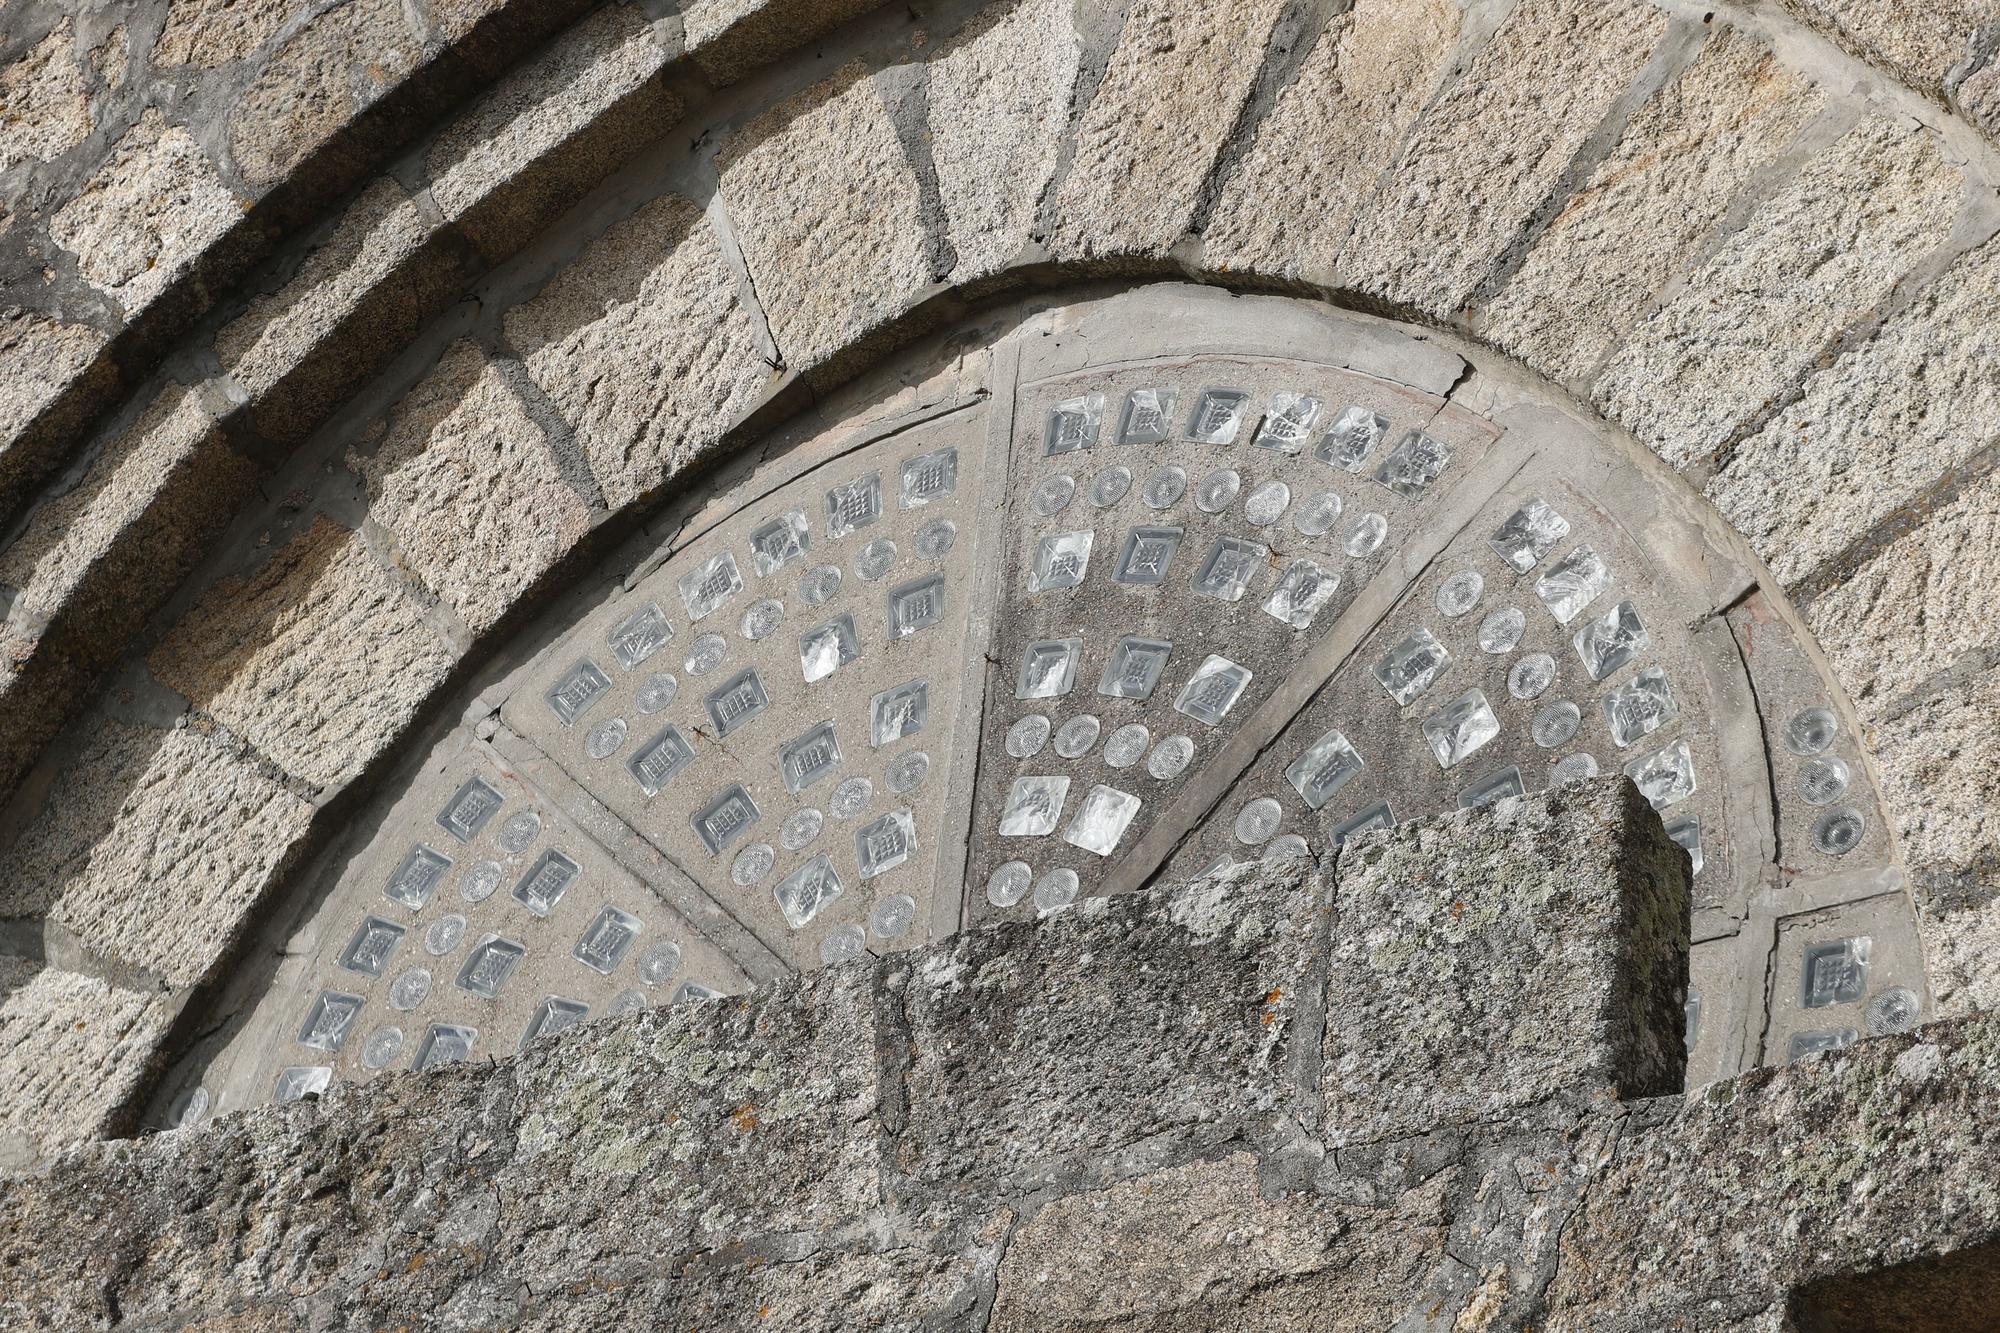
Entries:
{"x":1026,"y":738}
{"x":410,"y":989}
{"x":1493,"y":787}
{"x":627,"y":1002}
{"x":468,"y":810}
{"x":936,"y":538}
{"x":929,"y":477}
{"x":818,"y":584}
{"x":893,"y":915}
{"x":1352,"y":437}
{"x":1148,"y":416}
{"x":1267,"y":504}
{"x":843,"y":944}
{"x":1529,"y":533}
{"x":1639,"y":707}
{"x":659,"y":759}
{"x":826,"y":648}
{"x":1218,"y":416}
{"x":777,"y":542}
{"x":1033,"y":807}
{"x":1838,"y":831}
{"x":576,"y":690}
{"x":761,"y":619}
{"x":1823,"y":781}
{"x":1461,"y":728}
{"x":1327,"y":765}
{"x":1316,"y":516}
{"x":1501,"y":631}
{"x":1052,"y":495}
{"x":899,"y":712}
{"x":383,"y":1045}
{"x":605,"y":738}
{"x":300,"y":1082}
{"x":1164,"y":489}
{"x":1531,"y":677}
{"x":1217,"y":491}
{"x":489,"y":965}
{"x":1075,"y":737}
{"x":916,"y":605}
{"x":520,"y":830}
{"x":1009,"y":883}
{"x":443,"y":934}
{"x":1812,"y":1043}
{"x":656,"y":692}
{"x":1573,"y":768}
{"x":417,"y":877}
{"x":444,"y":1043}
{"x":908,"y":771}
{"x":369,"y":950}
{"x":811,"y":757}
{"x":724,"y":819}
{"x":1213,"y":690}
{"x":709,"y":584}
{"x":1693,"y":1012}
{"x":800,"y":828}
{"x":1108,"y":487}
{"x":1288,"y":424}
{"x":883,"y":844}
{"x":1258,"y":821}
{"x":329,"y":1020}
{"x":1230,"y":565}
{"x":1102,"y":820}
{"x":1572,"y":584}
{"x":1412,"y":666}
{"x":807,"y":891}
{"x":875,"y":560}
{"x":1134,"y":668}
{"x":853,"y":504}
{"x":1459,"y":593}
{"x":851,"y":797}
{"x":1610,"y":641}
{"x":1811,"y":730}
{"x":1170,"y":758}
{"x":1302,"y":593}
{"x":1061,"y":560}
{"x":751,"y":865}
{"x":1127,"y":745}
{"x":1378,"y":815}
{"x":1895,"y":1009}
{"x":1073,"y":424}
{"x":603,"y":944}
{"x":1056,"y":890}
{"x":546,"y":882}
{"x":1048,"y":668}
{"x":1287,"y":847}
{"x":551,"y":1016}
{"x":1415,"y":462}
{"x":693,"y":992}
{"x":1665,"y":777}
{"x":1148,"y":552}
{"x":735,"y":701}
{"x":480,"y":882}
{"x":1835,"y":972}
{"x":1554,"y":724}
{"x":1686,"y":831}
{"x":705,"y":654}
{"x":1365,"y":535}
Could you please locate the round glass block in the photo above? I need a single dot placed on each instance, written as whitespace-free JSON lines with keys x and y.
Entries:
{"x":876,"y":559}
{"x":1287,"y":847}
{"x":659,"y":962}
{"x":1258,"y":821}
{"x":1501,"y":631}
{"x":480,"y":882}
{"x":935,"y":538}
{"x":1055,"y":890}
{"x":383,"y":1045}
{"x":605,"y":738}
{"x":1893,"y":1010}
{"x":1267,"y":504}
{"x":909,"y":771}
{"x":1838,"y":831}
{"x":1127,"y":745}
{"x":190,"y":1108}
{"x":817,"y":586}
{"x":1365,"y":535}
{"x":1811,"y":730}
{"x":1316,"y":517}
{"x":1075,"y":737}
{"x":1165,"y":487}
{"x":410,"y":989}
{"x":1574,"y":768}
{"x":1026,"y":738}
{"x":1823,"y":781}
{"x":1460,"y":593}
{"x":851,"y":797}
{"x":752,"y":864}
{"x":1531,"y":675}
{"x":839,"y":946}
{"x":1555,"y":723}
{"x":624,"y":1002}
{"x":760,"y":618}
{"x":520,"y":831}
{"x":444,"y":933}
{"x":1008,"y":883}
{"x":1108,"y":487}
{"x":658,"y":691}
{"x":800,"y":827}
{"x":1170,"y":757}
{"x":893,"y":915}
{"x":1052,"y":495}
{"x":1217,"y":491}
{"x":706,"y":654}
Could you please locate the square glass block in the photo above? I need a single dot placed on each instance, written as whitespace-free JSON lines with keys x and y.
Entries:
{"x":1218,"y":416}
{"x":826,"y":648}
{"x":1288,"y":425}
{"x":373,"y":943}
{"x":641,"y":634}
{"x":809,"y":758}
{"x":1493,"y":787}
{"x":1529,"y":533}
{"x":1609,"y":641}
{"x":1413,"y":464}
{"x":1033,"y":807}
{"x":329,"y":1020}
{"x":1811,"y":1043}
{"x":915,"y":605}
{"x":1665,"y":777}
{"x":899,"y":712}
{"x":1302,"y":592}
{"x":1835,"y":972}
{"x":1134,"y":668}
{"x":1148,"y":552}
{"x":300,"y":1082}
{"x":1327,"y":765}
{"x":417,"y":877}
{"x":444,"y":1044}
{"x":603,"y":944}
{"x":853,"y":504}
{"x":1102,"y":820}
{"x":1686,"y":832}
{"x":1061,"y":560}
{"x":709,"y":584}
{"x":777,"y":542}
{"x":1573,"y":583}
{"x":1213,"y":690}
{"x":1461,"y":728}
{"x":735,"y":701}
{"x":884,"y":844}
{"x":1230,"y":565}
{"x":551,"y":1016}
{"x":929,"y":477}
{"x":804,"y":893}
{"x":576,"y":690}
{"x":723,"y":820}
{"x":1352,"y":437}
{"x":1073,"y":424}
{"x":546,"y":882}
{"x":470,"y":807}
{"x":488,"y":966}
{"x":1410,"y":668}
{"x":1639,"y":707}
{"x":1147,"y":418}
{"x":1048,"y":668}
{"x":1378,"y":815}
{"x":659,"y":759}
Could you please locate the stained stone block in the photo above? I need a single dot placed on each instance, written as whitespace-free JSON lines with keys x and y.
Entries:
{"x":311,"y":89}
{"x":73,"y":1049}
{"x":46,"y":80}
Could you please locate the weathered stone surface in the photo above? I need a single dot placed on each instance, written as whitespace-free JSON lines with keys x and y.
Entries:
{"x":1496,"y":141}
{"x":112,"y":57}
{"x":644,"y":346}
{"x":72,"y":1048}
{"x":729,"y":38}
{"x":317,"y":659}
{"x":1919,"y":44}
{"x":1288,"y":205}
{"x":39,"y":359}
{"x":1645,"y":211}
{"x":214,"y":32}
{"x":48,"y":106}
{"x":1812,"y":260}
{"x":464,"y":479}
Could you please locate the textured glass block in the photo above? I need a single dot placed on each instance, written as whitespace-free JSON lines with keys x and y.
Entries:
{"x":1165,"y":487}
{"x":1531,"y":676}
{"x":659,"y":759}
{"x":1573,"y":768}
{"x":1108,"y":487}
{"x":875,"y":560}
{"x":752,"y":864}
{"x":1170,"y":758}
{"x":1459,"y":593}
{"x":929,"y":477}
{"x":1102,"y":820}
{"x":893,"y":915}
{"x":1365,"y":535}
{"x":1061,"y":560}
{"x":1327,"y":765}
{"x":1838,"y":831}
{"x":809,"y":758}
{"x":1835,"y":972}
{"x":1033,"y":806}
{"x":551,"y":1016}
{"x":1639,"y":707}
{"x":1412,"y":666}
{"x":1134,"y":668}
{"x":777,"y":542}
{"x":656,"y":692}
{"x":1230,"y":565}
{"x":1267,"y":504}
{"x":709,"y":584}
{"x":577,"y":689}
{"x":851,"y":797}
{"x":724,"y":819}
{"x":1811,"y":730}
{"x":1127,"y":745}
{"x":470,"y":807}
{"x":706,"y":653}
{"x":298,"y":1083}
{"x":899,"y":712}
{"x":1009,"y":883}
{"x":1218,"y":416}
{"x":1073,"y":424}
{"x":1288,"y":424}
{"x":1055,"y":890}
{"x":417,"y":877}
{"x":1352,"y":437}
{"x":1213,"y":690}
{"x":1686,"y":831}
{"x":843,"y":944}
{"x":936,"y":538}
{"x":1075,"y":737}
{"x":1048,"y":668}
{"x":1302,"y":593}
{"x":546,"y":882}
{"x":1501,"y":631}
{"x":520,"y":830}
{"x":1895,"y":1009}
{"x":329,"y":1020}
{"x":761,"y":619}
{"x":800,"y":828}
{"x":1823,"y":781}
{"x":693,"y":992}
{"x":1147,"y":417}
{"x":443,"y":934}
{"x":369,"y":950}
{"x":410,"y":989}
{"x":1217,"y":491}
{"x":826,"y":648}
{"x":1572,"y":584}
{"x":1461,"y":728}
{"x":916,"y":605}
{"x":908,"y":771}
{"x":1258,"y":821}
{"x":883,"y":844}
{"x":1415,"y":462}
{"x":1529,"y":533}
{"x":1378,"y":815}
{"x":1610,"y":641}
{"x":807,"y":891}
{"x":1665,"y":777}
{"x":853,"y":504}
{"x":444,"y":1043}
{"x":1288,"y":847}
{"x":1493,"y":787}
{"x":644,"y":632}
{"x":1026,"y":738}
{"x":1052,"y":495}
{"x":603,"y":944}
{"x":1317,"y":514}
{"x":489,"y":965}
{"x":1812,"y":1043}
{"x":1554,"y":724}
{"x":605,"y":738}
{"x":818,"y":584}
{"x":1148,"y":552}
{"x":735,"y":701}
{"x":383,"y":1045}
